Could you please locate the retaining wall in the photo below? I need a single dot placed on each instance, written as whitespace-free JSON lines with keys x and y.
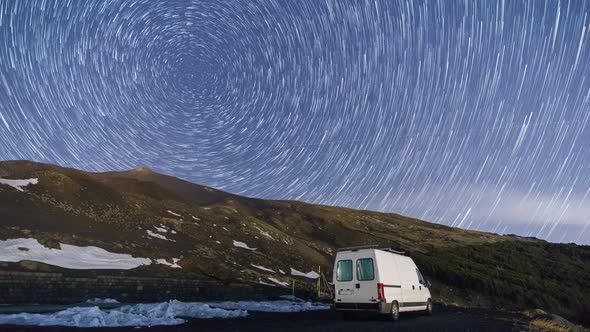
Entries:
{"x":57,"y":288}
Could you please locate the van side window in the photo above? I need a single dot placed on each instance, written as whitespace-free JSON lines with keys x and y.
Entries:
{"x":364,"y":269}
{"x":344,"y":270}
{"x":420,"y":278}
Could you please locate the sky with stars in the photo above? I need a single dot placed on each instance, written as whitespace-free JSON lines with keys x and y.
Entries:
{"x":467,"y":113}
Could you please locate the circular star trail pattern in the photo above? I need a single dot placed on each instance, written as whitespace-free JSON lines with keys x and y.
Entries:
{"x":471,"y":114}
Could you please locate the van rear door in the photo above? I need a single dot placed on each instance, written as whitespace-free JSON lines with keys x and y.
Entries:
{"x":366,"y":281}
{"x":344,"y":280}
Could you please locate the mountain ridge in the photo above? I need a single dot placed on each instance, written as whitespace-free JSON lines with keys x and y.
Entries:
{"x":148,"y":214}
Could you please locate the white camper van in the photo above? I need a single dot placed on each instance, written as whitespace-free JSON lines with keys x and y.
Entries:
{"x":381,"y":280}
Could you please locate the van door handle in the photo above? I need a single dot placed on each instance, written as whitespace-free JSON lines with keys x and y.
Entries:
{"x":358,"y":286}
{"x":413,"y":287}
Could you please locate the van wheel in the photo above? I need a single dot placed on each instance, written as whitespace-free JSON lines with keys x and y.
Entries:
{"x":394,"y":313}
{"x":428,"y":310}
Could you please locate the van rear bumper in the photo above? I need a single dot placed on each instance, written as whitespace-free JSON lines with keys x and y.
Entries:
{"x":372,"y":306}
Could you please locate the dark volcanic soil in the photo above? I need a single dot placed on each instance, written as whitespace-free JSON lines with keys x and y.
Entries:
{"x":444,"y":319}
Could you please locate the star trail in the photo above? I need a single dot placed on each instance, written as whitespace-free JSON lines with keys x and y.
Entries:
{"x":467,"y":113}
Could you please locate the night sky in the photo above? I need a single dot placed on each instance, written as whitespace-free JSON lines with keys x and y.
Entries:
{"x":472,"y":114}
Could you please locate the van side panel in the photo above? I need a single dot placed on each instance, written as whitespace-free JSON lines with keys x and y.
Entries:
{"x":389,"y":276}
{"x":412,"y":289}
{"x":424,"y":292}
{"x":409,"y":282}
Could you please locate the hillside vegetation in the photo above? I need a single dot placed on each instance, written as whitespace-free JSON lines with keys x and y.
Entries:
{"x":116,"y":210}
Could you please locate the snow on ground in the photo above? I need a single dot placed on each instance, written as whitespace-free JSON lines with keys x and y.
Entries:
{"x":310,"y":275}
{"x":266,"y":283}
{"x":161,"y":230}
{"x":291,"y":298}
{"x":195,"y":218}
{"x":155,"y":314}
{"x":159,"y":236}
{"x":174,"y":213}
{"x":264,"y":233}
{"x":73,"y":257}
{"x":69,"y":256}
{"x":17,"y":184}
{"x":281,"y":271}
{"x":102,"y":301}
{"x":270,"y":306}
{"x":278,"y":282}
{"x":242,"y":245}
{"x":173,"y":265}
{"x":263,"y":268}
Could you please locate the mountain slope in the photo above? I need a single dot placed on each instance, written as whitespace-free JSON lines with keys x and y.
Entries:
{"x":146,"y":214}
{"x":186,"y":190}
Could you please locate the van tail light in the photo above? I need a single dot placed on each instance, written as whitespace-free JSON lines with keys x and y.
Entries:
{"x":380,"y":292}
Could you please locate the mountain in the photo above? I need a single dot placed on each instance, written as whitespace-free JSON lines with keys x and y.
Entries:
{"x":185,"y":190}
{"x":221,"y":236}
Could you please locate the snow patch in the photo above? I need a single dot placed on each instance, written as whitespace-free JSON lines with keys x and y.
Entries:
{"x":102,"y":301}
{"x":174,"y":213}
{"x":68,"y":256}
{"x":173,"y":265}
{"x":17,"y":184}
{"x":159,"y":236}
{"x":242,"y":245}
{"x":310,"y":275}
{"x":156,"y":314}
{"x":291,"y":298}
{"x":263,"y":268}
{"x":161,"y":230}
{"x":278,"y":282}
{"x":263,"y":232}
{"x":271,"y":306}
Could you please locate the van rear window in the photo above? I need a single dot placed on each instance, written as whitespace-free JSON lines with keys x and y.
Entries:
{"x":344,"y":270}
{"x":364,"y":269}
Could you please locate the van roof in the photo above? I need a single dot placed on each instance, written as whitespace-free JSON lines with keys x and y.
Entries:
{"x":372,"y":247}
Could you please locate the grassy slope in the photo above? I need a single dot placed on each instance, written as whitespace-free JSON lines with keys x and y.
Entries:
{"x":115,"y":210}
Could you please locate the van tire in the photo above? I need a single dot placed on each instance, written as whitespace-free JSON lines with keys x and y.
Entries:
{"x":394,"y":311}
{"x":428,"y":310}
